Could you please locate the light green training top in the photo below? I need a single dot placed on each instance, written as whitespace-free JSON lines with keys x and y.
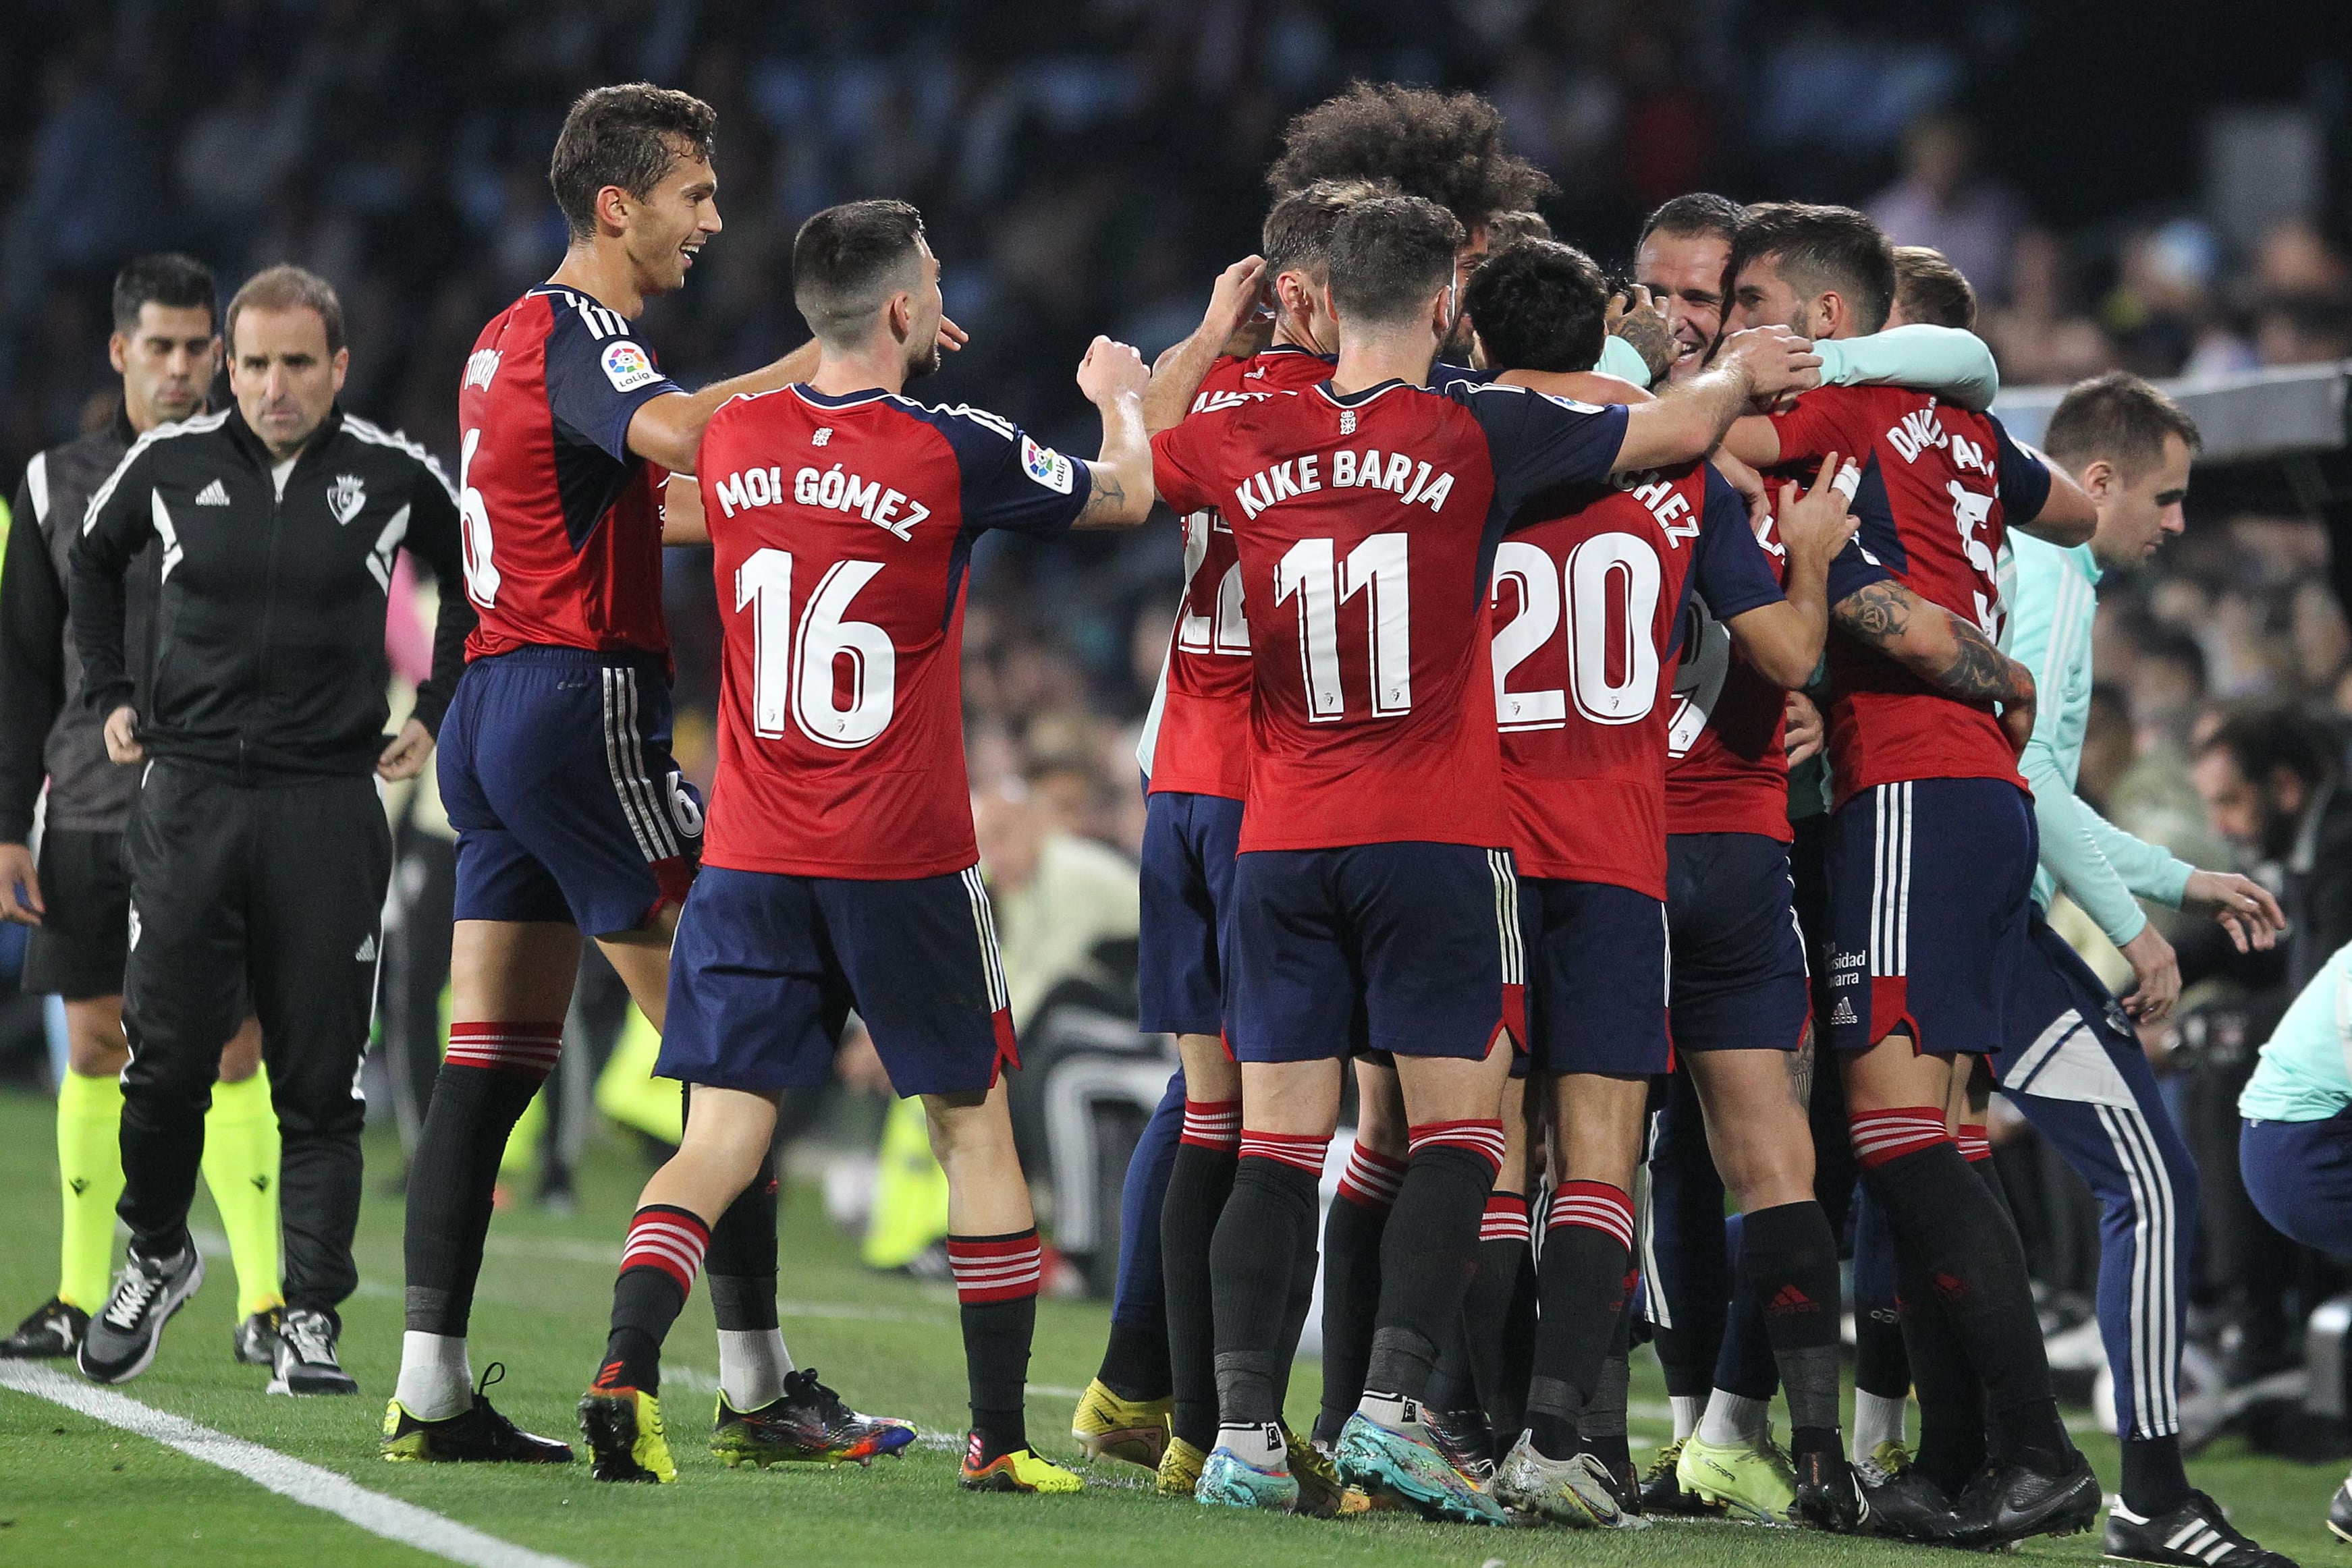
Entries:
{"x":2306,"y":1071}
{"x":2050,"y":598}
{"x":1952,"y":364}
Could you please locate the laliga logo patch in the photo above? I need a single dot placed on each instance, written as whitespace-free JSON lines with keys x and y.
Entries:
{"x":345,"y":497}
{"x":628,"y":367}
{"x":1047,"y":467}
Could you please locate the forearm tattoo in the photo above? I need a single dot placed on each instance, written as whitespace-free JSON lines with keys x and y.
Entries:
{"x":1106,"y":500}
{"x":1881,"y":616}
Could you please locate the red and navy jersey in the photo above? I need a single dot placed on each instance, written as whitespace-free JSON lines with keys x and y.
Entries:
{"x":562,"y":524}
{"x":1588,"y":603}
{"x":1727,"y":758}
{"x":1366,"y":525}
{"x":1197,"y":736}
{"x":842,"y":528}
{"x":1939,"y":487}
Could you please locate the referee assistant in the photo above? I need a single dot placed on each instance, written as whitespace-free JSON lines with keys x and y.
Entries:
{"x":259,"y":851}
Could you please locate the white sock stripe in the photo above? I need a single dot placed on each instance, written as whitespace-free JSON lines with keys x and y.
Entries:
{"x":977,"y":1271}
{"x":1461,"y":1137}
{"x":641,"y":1254}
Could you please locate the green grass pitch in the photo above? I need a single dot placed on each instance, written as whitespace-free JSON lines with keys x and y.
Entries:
{"x":76,"y":1491}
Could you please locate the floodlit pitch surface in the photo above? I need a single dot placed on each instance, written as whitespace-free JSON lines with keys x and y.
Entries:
{"x":76,"y":1490}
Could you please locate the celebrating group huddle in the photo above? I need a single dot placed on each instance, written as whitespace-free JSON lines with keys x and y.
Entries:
{"x":1530,"y":620}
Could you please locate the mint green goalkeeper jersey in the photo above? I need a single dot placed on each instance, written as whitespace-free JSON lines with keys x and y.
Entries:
{"x":2050,"y":598}
{"x":2306,"y":1071}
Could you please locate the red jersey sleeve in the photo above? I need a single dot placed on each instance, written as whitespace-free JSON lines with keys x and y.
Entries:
{"x":1179,"y":467}
{"x":1818,"y":426}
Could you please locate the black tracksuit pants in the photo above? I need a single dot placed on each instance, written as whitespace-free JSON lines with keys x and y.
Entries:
{"x":278,"y":888}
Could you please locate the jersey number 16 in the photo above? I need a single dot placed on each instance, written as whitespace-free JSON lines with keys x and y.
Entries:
{"x":794,"y":668}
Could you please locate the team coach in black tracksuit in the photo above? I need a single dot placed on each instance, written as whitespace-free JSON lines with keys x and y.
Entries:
{"x":259,"y":851}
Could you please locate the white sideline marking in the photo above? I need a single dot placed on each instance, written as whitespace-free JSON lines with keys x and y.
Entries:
{"x":404,"y":1524}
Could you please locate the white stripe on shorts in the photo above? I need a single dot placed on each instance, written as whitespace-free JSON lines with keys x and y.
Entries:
{"x":1507,"y":915}
{"x":983,"y":921}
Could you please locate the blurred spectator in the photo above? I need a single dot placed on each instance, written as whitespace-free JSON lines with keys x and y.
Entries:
{"x":1059,"y":899}
{"x":1942,"y":203}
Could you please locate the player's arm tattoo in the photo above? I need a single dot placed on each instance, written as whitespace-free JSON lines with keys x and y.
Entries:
{"x":1955,"y":657}
{"x":1105,"y":500}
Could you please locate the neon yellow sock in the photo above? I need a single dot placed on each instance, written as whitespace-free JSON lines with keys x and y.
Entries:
{"x":241,"y":1169}
{"x":910,"y":1191}
{"x":90,"y":1165}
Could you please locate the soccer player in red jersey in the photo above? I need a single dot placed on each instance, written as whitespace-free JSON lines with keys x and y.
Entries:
{"x":555,"y":765}
{"x":1584,"y":713}
{"x":841,"y":870}
{"x":1193,"y":753}
{"x":1931,"y":831}
{"x":1371,"y":857}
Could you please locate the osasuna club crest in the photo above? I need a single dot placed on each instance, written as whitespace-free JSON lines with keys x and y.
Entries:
{"x":345,"y":497}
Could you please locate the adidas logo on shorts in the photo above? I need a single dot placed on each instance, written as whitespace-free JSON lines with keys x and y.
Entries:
{"x":1844,"y":1013}
{"x":212,"y":495}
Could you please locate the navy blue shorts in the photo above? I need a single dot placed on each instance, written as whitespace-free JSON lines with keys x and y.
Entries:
{"x":1597,"y":971}
{"x":555,"y":770}
{"x":2053,"y":998}
{"x":766,"y":968}
{"x":1738,"y":956}
{"x":1930,"y":884}
{"x":2299,"y":1175}
{"x":1412,"y":948}
{"x":1186,"y":883}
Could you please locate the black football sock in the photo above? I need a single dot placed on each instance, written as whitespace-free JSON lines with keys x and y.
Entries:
{"x":1251,"y":1257}
{"x":1601,"y":1423}
{"x":1583,"y":1277}
{"x":2028,"y":1430}
{"x":1305,"y":1264}
{"x":1506,"y":1405}
{"x":1469,"y":1361}
{"x":657,"y":1265}
{"x":1430,"y":1251}
{"x":2155,"y":1483}
{"x":1792,"y":1260}
{"x":1690,"y":1288}
{"x":741,"y":1263}
{"x":996,"y":1291}
{"x":1351,"y":1282}
{"x":485,"y":1084}
{"x":1972,"y":1263}
{"x":1198,"y":1182}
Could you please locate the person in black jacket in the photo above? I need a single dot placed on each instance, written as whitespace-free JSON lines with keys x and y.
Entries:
{"x":258,"y":850}
{"x":77,"y":897}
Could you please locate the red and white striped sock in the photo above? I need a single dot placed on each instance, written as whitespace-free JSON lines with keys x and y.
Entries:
{"x":1883,"y":1135}
{"x":506,"y":1046}
{"x":1975,"y":1148}
{"x":996,"y":1268}
{"x":1506,"y":1219}
{"x":1372,"y":1178}
{"x":1595,"y":1205}
{"x":1301,"y":1151}
{"x":1213,"y":1124}
{"x":1481,"y":1135}
{"x":669,"y":1238}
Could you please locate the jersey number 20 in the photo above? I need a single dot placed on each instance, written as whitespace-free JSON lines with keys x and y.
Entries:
{"x":1611,"y":585}
{"x":793,"y":669}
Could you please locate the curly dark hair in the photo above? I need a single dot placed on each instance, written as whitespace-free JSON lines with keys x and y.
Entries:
{"x":1445,"y":148}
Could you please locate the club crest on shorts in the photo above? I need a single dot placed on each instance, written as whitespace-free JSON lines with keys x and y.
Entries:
{"x":346,"y":496}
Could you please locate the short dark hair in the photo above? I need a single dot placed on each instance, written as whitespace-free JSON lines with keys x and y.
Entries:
{"x":168,"y":278}
{"x":289,"y":288}
{"x":2260,"y":740}
{"x":1538,"y":304}
{"x":2119,"y":417}
{"x":1526,"y":224}
{"x":1931,"y":290}
{"x":1698,"y":214}
{"x":630,"y":136}
{"x":1819,"y":249}
{"x":1390,"y":254}
{"x":1445,"y":148}
{"x":846,"y":260}
{"x":1297,"y":235}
